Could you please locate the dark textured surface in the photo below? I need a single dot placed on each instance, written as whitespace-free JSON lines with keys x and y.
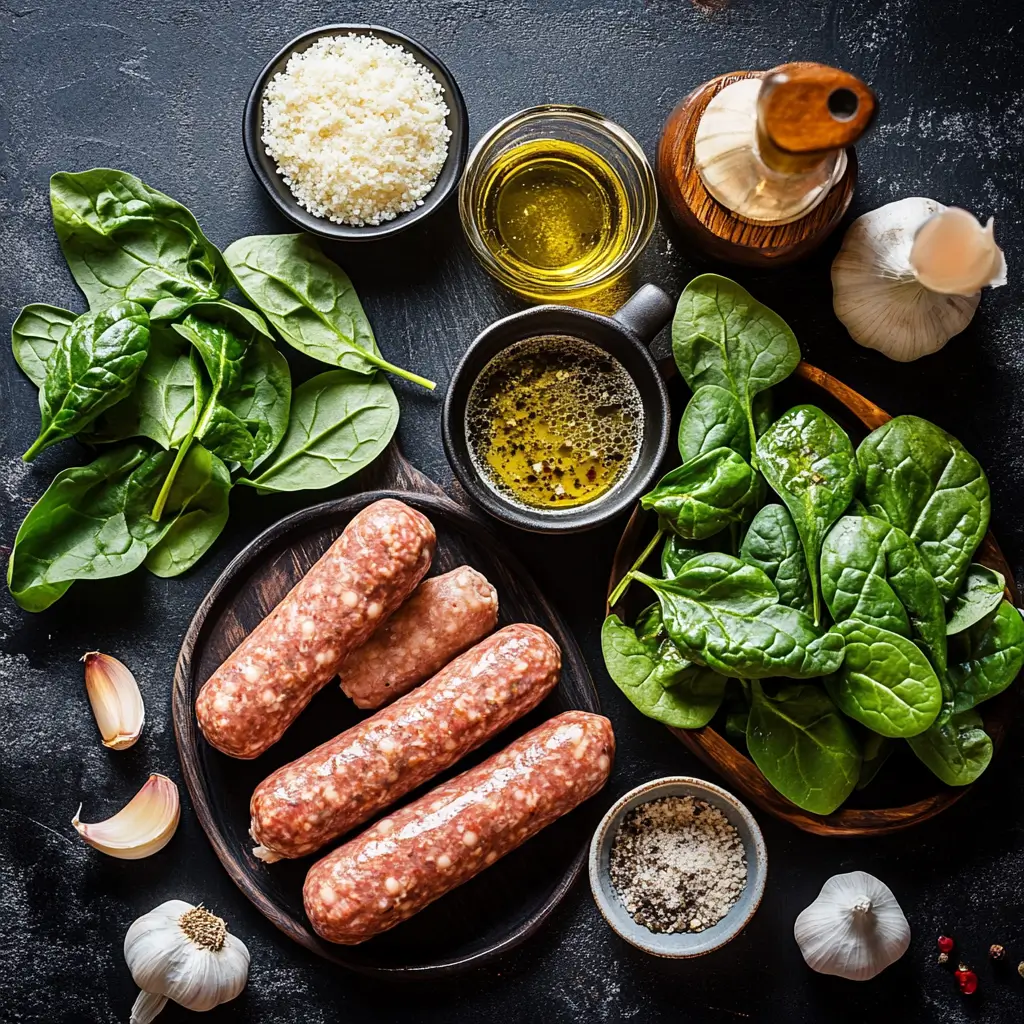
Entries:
{"x":158,"y":89}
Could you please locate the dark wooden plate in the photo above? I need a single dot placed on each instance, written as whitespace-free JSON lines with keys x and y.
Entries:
{"x":924,"y":795}
{"x":490,"y":914}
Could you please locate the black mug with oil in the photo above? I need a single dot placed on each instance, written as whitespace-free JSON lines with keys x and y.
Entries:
{"x":557,"y":418}
{"x":554,"y":422}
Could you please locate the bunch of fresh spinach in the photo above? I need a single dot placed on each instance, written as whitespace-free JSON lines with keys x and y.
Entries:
{"x":182,"y":391}
{"x":859,"y":584}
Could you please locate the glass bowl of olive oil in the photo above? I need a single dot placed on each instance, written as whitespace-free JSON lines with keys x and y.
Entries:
{"x":557,"y":202}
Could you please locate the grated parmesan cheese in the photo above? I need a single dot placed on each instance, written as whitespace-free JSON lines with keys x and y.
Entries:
{"x":357,"y":129}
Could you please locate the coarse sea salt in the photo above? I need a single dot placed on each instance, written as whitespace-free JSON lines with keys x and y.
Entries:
{"x":678,"y":864}
{"x":356,"y":127}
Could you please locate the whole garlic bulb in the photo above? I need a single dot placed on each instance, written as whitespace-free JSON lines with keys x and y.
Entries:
{"x":854,"y":929}
{"x":909,"y":276}
{"x":185,"y":954}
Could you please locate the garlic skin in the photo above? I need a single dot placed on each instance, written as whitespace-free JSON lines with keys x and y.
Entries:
{"x":909,"y":274}
{"x":142,"y":827}
{"x":185,"y":954}
{"x":953,"y":254}
{"x":854,"y":929}
{"x":115,"y":699}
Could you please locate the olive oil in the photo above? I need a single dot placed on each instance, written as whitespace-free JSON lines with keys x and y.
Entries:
{"x":554,"y":422}
{"x":552,"y":212}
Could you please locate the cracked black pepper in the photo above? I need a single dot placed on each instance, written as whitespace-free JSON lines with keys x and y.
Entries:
{"x":678,"y":864}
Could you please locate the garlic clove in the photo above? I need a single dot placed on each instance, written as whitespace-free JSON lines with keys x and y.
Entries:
{"x":142,"y":827}
{"x":952,"y":254}
{"x":146,"y":1006}
{"x":115,"y":699}
{"x":854,"y":929}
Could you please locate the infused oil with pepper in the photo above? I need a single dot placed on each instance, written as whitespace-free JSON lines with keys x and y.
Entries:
{"x":553,"y":212}
{"x":554,"y":422}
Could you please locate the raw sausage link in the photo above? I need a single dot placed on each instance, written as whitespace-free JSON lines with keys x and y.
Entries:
{"x":348,"y":779}
{"x":379,"y":559}
{"x":410,"y":858}
{"x":446,"y":615}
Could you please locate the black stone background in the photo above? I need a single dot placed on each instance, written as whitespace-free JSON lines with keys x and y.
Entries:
{"x":158,"y":89}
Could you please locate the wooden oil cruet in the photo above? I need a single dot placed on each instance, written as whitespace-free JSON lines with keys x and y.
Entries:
{"x":758,"y":167}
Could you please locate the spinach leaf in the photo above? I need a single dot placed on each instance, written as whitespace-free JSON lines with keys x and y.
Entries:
{"x":223,"y":354}
{"x":957,"y":751}
{"x":164,"y":403}
{"x":675,"y":554}
{"x":809,"y":462}
{"x":979,"y":596}
{"x":35,"y":334}
{"x":310,"y":300}
{"x":737,"y":711}
{"x":713,"y":418}
{"x":927,"y":484}
{"x":764,"y":412}
{"x":244,"y":413}
{"x":702,"y":497}
{"x":987,"y":657}
{"x":340,"y":422}
{"x":885,"y":682}
{"x":125,"y":240}
{"x":803,"y":746}
{"x":92,"y":367}
{"x":773,"y":546}
{"x":871,"y":571}
{"x":261,"y":396}
{"x":77,"y":529}
{"x":93,"y":522}
{"x":725,"y":614}
{"x":875,"y":751}
{"x":854,"y":574}
{"x":200,"y":493}
{"x":645,"y":664}
{"x":736,"y":723}
{"x":858,"y":508}
{"x":722,"y":335}
{"x":240,"y":319}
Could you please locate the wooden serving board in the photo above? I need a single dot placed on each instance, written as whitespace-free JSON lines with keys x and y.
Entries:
{"x":500,"y":907}
{"x":928,"y":796}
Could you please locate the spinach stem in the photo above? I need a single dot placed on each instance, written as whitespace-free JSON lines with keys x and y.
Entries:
{"x":753,"y":436}
{"x":623,"y":584}
{"x":37,"y":446}
{"x":399,"y":372}
{"x":165,"y":490}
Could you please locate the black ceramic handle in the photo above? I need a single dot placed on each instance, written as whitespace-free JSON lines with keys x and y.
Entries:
{"x":645,"y":312}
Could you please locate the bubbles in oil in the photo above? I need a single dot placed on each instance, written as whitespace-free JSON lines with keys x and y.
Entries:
{"x":554,"y":422}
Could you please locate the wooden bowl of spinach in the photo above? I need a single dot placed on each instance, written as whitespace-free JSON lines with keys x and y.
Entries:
{"x":813,"y":593}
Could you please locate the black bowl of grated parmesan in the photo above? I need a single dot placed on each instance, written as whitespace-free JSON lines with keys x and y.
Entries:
{"x":356,"y":132}
{"x":678,"y":867}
